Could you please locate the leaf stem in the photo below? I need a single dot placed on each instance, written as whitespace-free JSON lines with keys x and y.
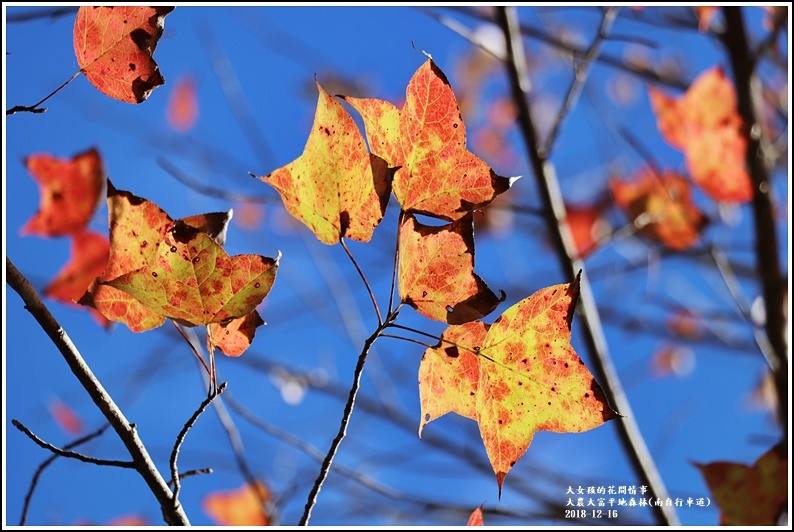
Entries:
{"x":396,"y":261}
{"x":35,"y":107}
{"x":192,"y":348}
{"x":543,"y":169}
{"x":363,"y":278}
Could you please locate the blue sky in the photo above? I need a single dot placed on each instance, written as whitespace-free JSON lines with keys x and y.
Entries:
{"x":300,"y":366}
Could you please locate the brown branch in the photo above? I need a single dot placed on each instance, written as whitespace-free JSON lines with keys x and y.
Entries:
{"x":172,"y":514}
{"x":565,"y":247}
{"x":46,"y":463}
{"x":767,"y":253}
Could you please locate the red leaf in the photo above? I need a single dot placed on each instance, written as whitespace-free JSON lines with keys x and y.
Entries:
{"x":475,"y":519}
{"x":235,"y":337}
{"x":438,"y":176}
{"x":70,"y":190}
{"x":66,"y":417}
{"x":182,"y":107}
{"x":588,"y":226}
{"x":437,"y":278}
{"x":705,"y":124}
{"x":89,"y":256}
{"x":240,"y":507}
{"x":114,"y":47}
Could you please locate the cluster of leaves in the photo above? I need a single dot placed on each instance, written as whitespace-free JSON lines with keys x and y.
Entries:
{"x":514,"y":377}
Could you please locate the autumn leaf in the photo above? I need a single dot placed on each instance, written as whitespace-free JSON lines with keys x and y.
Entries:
{"x":69,"y":421}
{"x":438,"y":176}
{"x":336,"y":187}
{"x":70,"y":191}
{"x":193,"y":281}
{"x":662,"y":206}
{"x":588,"y":226}
{"x":137,"y":227}
{"x":236,"y":336}
{"x":88,"y":258}
{"x":437,"y":278}
{"x":114,"y":47}
{"x":182,"y":107}
{"x":475,"y":519}
{"x":238,"y":507}
{"x":754,"y":495}
{"x":128,"y":520}
{"x":449,"y":376}
{"x":705,"y":16}
{"x":530,"y":378}
{"x":705,"y":124}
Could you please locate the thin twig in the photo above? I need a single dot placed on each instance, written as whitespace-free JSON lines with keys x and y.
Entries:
{"x":579,"y":78}
{"x":351,"y":401}
{"x":193,"y":473}
{"x":396,"y":262}
{"x":181,"y":438}
{"x":407,"y":339}
{"x":35,"y":107}
{"x":766,"y":239}
{"x":46,"y":463}
{"x":565,"y":246}
{"x":363,"y":278}
{"x":70,"y":454}
{"x":173,"y":515}
{"x":208,"y":190}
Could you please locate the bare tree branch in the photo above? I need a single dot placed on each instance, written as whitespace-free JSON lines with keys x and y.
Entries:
{"x":566,"y":253}
{"x":767,"y":253}
{"x":172,"y":514}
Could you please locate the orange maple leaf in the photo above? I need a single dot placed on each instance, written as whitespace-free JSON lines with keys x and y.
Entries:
{"x":238,"y":507}
{"x":529,"y":377}
{"x":114,"y":47}
{"x":665,"y":205}
{"x":70,"y":192}
{"x":426,"y":140}
{"x":705,"y":124}
{"x":436,"y":272}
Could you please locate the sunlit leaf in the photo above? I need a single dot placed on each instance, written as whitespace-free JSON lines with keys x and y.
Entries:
{"x":750,"y":495}
{"x":436,"y":272}
{"x":236,"y":336}
{"x":70,"y":192}
{"x":438,"y":176}
{"x":530,"y":377}
{"x":449,"y":375}
{"x":662,"y":206}
{"x":114,"y":47}
{"x":238,"y":507}
{"x":193,"y":281}
{"x":336,"y":188}
{"x":705,"y":124}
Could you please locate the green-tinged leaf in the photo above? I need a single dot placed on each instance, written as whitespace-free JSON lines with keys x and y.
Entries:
{"x":336,"y":187}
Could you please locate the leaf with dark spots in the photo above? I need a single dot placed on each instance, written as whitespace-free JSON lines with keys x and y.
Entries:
{"x":114,"y":47}
{"x":522,"y":374}
{"x":70,"y":192}
{"x":211,"y":287}
{"x":235,"y":337}
{"x":336,"y":187}
{"x":436,"y":272}
{"x":426,"y":139}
